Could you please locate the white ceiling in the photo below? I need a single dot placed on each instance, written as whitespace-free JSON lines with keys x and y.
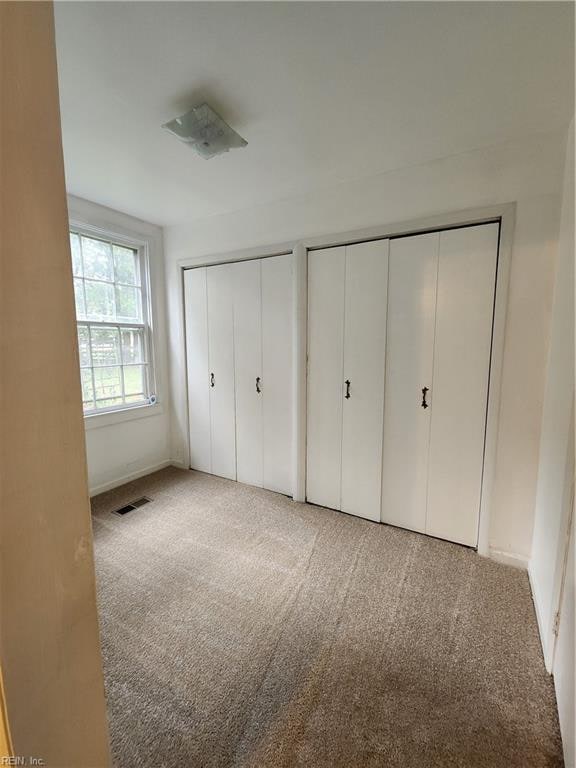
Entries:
{"x":323,"y":92}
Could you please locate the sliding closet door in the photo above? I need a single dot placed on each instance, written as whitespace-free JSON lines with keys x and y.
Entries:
{"x":466,"y":281}
{"x":248,"y":371}
{"x":196,"y":312}
{"x":363,"y":378}
{"x":277,"y":315}
{"x":221,"y":370}
{"x":326,"y":280}
{"x":409,"y":367}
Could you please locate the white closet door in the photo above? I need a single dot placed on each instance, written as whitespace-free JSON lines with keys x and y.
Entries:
{"x":195,"y":308}
{"x":248,"y":370}
{"x":326,"y":280}
{"x":413,"y":267}
{"x":277,"y":313}
{"x":466,"y":282}
{"x":221,"y":370}
{"x":363,"y":378}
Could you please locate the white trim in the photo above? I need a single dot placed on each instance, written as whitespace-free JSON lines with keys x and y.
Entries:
{"x":108,"y":234}
{"x":509,"y":558}
{"x":299,"y":373}
{"x":506,"y":213}
{"x":562,"y":572}
{"x":128,"y":478}
{"x":262,"y":252}
{"x":542,"y":629}
{"x":142,"y":246}
{"x":548,"y":638}
{"x":106,"y":418}
{"x":468,"y":216}
{"x":186,"y":464}
{"x":507,"y":222}
{"x":562,"y":562}
{"x":94,"y":219}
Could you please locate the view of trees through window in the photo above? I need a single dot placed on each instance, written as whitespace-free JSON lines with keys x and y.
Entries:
{"x":111,"y":323}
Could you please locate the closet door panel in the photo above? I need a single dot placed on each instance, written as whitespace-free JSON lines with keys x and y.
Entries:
{"x":248,"y":369}
{"x":326,"y":276}
{"x":221,"y":370}
{"x":277,"y":316}
{"x":466,"y":284}
{"x":196,"y":319}
{"x":413,"y":265}
{"x":364,"y":361}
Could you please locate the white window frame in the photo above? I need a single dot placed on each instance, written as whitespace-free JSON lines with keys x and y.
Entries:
{"x":126,"y":411}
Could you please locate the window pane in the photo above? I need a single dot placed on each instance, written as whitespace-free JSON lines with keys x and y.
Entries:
{"x":100,"y":301}
{"x":108,"y":382}
{"x":109,"y":402}
{"x":126,"y":265}
{"x":109,"y":296}
{"x":128,"y":305}
{"x":132,"y":346}
{"x":133,"y":379}
{"x":79,"y":298}
{"x":105,"y":346}
{"x":84,"y":345}
{"x":76,"y":257}
{"x":87,"y":390}
{"x":141,"y":398}
{"x":97,"y":259}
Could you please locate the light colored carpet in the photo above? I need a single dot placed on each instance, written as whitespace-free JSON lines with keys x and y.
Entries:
{"x":242,"y":629}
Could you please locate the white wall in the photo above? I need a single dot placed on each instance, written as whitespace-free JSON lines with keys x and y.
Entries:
{"x":554,"y":498}
{"x":564,"y":663}
{"x":528,"y":172}
{"x":553,"y":490}
{"x":123,"y":446}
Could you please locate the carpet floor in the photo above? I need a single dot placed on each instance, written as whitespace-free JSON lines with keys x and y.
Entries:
{"x":242,"y":629}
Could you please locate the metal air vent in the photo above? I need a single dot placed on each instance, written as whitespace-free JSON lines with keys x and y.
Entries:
{"x":131,"y":506}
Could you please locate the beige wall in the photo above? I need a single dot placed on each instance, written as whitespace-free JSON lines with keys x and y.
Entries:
{"x":49,"y":646}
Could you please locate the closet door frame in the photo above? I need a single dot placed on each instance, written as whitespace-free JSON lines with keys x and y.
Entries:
{"x":505,"y":214}
{"x":248,"y":403}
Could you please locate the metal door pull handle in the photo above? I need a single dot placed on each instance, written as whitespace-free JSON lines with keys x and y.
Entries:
{"x":347,"y":395}
{"x":211,"y":379}
{"x":424,"y":391}
{"x":258,"y":384}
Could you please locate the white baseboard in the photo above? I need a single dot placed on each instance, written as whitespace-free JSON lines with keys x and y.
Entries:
{"x":543,"y":630}
{"x":509,"y":558}
{"x":518,"y":561}
{"x":132,"y":476}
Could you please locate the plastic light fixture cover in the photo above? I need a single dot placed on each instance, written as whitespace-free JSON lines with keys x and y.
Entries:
{"x":205,"y":131}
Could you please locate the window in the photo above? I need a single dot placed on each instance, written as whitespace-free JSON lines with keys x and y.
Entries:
{"x":113,"y":325}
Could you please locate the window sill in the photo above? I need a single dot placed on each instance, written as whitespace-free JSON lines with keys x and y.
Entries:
{"x":97,"y":420}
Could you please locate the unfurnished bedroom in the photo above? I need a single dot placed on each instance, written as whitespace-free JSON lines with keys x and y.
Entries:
{"x":287,"y":402}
